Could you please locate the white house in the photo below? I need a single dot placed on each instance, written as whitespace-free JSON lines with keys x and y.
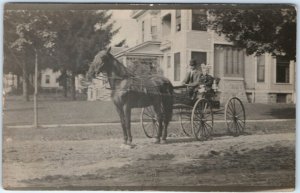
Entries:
{"x":170,"y":38}
{"x":263,"y":79}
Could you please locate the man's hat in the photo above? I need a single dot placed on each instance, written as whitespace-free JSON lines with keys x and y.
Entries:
{"x":193,"y":62}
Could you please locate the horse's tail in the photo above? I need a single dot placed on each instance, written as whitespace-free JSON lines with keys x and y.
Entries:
{"x":168,"y":103}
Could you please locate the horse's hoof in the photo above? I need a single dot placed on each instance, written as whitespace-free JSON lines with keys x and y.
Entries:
{"x":164,"y":141}
{"x":157,"y":141}
{"x":127,"y":146}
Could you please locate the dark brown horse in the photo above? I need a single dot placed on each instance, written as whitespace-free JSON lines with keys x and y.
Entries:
{"x":130,"y":91}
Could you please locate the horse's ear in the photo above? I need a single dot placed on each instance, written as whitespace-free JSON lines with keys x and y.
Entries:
{"x":108,"y":50}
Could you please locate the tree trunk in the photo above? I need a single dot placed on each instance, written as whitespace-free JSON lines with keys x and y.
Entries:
{"x":64,"y":82}
{"x":73,"y":87}
{"x":18,"y":83}
{"x":65,"y":88}
{"x":25,"y":83}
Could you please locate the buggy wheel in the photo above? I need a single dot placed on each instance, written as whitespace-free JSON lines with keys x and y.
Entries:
{"x":149,"y":122}
{"x":185,"y":120}
{"x":235,"y":116}
{"x":202,"y":120}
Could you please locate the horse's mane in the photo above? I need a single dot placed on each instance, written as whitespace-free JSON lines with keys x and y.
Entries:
{"x":121,"y":68}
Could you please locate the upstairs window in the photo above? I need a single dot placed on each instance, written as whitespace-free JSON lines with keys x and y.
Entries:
{"x":178,"y":20}
{"x":154,"y":28}
{"x":47,"y":79}
{"x":199,"y":19}
{"x":143,"y":31}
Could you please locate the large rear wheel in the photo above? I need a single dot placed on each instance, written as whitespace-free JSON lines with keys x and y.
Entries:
{"x":235,"y":116}
{"x":202,"y":120}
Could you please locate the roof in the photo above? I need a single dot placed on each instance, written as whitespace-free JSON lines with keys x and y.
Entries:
{"x":145,"y":48}
{"x":116,"y":50}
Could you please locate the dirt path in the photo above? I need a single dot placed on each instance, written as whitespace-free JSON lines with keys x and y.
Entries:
{"x":258,"y":161}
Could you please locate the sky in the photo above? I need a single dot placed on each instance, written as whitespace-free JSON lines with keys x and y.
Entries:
{"x":128,"y":26}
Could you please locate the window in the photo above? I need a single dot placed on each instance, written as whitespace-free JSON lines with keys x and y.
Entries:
{"x":168,"y":61}
{"x":154,"y":28}
{"x":143,"y":31}
{"x":166,"y":25}
{"x":47,"y":79}
{"x":282,"y":70}
{"x":178,"y":20}
{"x":231,"y":59}
{"x":177,"y":66}
{"x":260,"y":68}
{"x":199,"y":20}
{"x":200,"y":57}
{"x":281,"y":98}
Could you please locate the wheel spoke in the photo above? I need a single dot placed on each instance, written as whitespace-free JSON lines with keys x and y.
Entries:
{"x":242,"y":121}
{"x":230,"y":124}
{"x":241,"y":124}
{"x":207,"y":116}
{"x":235,"y":127}
{"x":241,"y":111}
{"x":234,"y":105}
{"x":150,"y":116}
{"x":205,"y":107}
{"x":207,"y":131}
{"x":199,"y":116}
{"x":202,"y":130}
{"x":197,"y":130}
{"x":230,"y":106}
{"x":210,"y":126}
{"x":229,"y":113}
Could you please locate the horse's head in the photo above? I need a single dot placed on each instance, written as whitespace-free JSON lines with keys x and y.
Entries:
{"x":99,"y":63}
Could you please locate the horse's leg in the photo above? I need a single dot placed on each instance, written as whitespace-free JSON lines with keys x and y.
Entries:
{"x":158,"y":112}
{"x":165,"y":131}
{"x":167,"y":109}
{"x":122,"y":119}
{"x":127,"y":111}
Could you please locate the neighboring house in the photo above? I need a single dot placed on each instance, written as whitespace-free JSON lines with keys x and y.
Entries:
{"x":49,"y":79}
{"x":179,"y":35}
{"x":9,"y":82}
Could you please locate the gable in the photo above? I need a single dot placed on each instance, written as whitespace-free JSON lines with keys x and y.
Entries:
{"x":152,"y":48}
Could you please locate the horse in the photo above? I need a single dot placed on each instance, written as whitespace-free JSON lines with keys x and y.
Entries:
{"x":132,"y":91}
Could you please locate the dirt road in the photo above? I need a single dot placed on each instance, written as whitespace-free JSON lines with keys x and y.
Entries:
{"x":43,"y":159}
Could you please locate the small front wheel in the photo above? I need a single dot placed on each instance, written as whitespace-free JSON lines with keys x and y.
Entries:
{"x":185,"y":120}
{"x":202,"y":120}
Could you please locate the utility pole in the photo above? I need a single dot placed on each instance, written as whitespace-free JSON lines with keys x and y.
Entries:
{"x":35,"y":123}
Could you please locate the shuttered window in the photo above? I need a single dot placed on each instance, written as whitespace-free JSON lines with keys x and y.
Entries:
{"x":231,"y":59}
{"x":177,"y":66}
{"x":260,"y":68}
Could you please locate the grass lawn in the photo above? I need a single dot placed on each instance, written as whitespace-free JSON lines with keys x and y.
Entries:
{"x":17,"y":112}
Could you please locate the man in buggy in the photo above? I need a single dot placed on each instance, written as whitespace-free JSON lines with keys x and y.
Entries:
{"x":197,"y":80}
{"x":192,"y":79}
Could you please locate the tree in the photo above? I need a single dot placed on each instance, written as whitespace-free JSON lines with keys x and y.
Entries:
{"x":258,"y":29}
{"x":26,"y":35}
{"x":81,"y":34}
